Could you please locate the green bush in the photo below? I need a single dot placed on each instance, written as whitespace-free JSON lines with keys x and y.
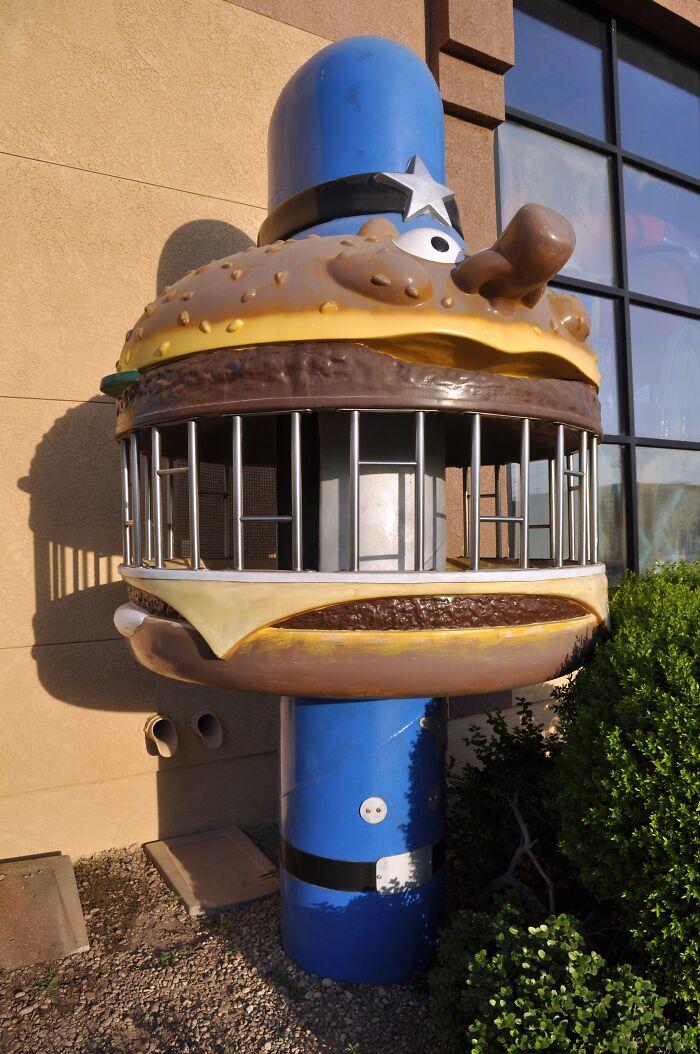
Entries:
{"x":502,"y":986}
{"x":499,"y":804}
{"x":627,"y":783}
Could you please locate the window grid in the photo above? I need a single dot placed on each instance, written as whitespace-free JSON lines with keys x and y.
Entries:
{"x":621,"y":294}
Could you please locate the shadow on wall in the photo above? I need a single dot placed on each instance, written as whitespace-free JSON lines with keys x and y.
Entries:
{"x":194,"y":244}
{"x":75,"y":518}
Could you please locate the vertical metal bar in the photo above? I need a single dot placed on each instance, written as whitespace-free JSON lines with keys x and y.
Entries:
{"x":126,"y":500}
{"x":624,"y":355}
{"x":354,"y":490}
{"x":593,"y":474}
{"x":169,"y":533}
{"x":419,"y":499}
{"x":552,"y":510}
{"x":237,"y":491}
{"x":135,"y":499}
{"x":571,"y":507}
{"x":525,"y":492}
{"x":465,"y":508}
{"x":148,"y":521}
{"x":156,"y":493}
{"x":193,"y":487}
{"x":297,"y":536}
{"x":475,"y":517}
{"x":583,"y":498}
{"x":499,"y":510}
{"x":559,"y":501}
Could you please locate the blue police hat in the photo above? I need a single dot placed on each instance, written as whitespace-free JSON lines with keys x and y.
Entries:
{"x":358,"y":132}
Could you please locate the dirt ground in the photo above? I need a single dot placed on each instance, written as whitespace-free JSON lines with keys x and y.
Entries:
{"x":157,"y":980}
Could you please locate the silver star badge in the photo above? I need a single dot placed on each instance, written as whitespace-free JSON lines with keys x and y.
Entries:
{"x":424,"y":195}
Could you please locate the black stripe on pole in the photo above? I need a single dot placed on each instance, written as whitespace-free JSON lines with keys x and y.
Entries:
{"x":349,"y":876}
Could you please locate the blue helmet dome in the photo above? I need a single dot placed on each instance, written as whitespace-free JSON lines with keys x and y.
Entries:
{"x":360,"y":109}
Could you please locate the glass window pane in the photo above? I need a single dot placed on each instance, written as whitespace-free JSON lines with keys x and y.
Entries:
{"x":666,"y":375}
{"x":558,"y":72}
{"x":659,"y":105}
{"x":603,"y":340}
{"x":612,"y":529}
{"x":668,"y":499}
{"x":574,"y":181}
{"x":662,"y":223}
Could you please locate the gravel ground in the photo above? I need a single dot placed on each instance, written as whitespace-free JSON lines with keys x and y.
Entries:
{"x":156,"y":980}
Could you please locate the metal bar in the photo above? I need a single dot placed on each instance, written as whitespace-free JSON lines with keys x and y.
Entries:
{"x":501,"y":519}
{"x":266,"y":519}
{"x":354,"y":538}
{"x":156,"y":493}
{"x":583,"y":499}
{"x":297,"y":535}
{"x":180,"y":470}
{"x":571,"y":504}
{"x":559,"y":499}
{"x":135,"y":499}
{"x":499,"y":509}
{"x":573,"y":472}
{"x":126,"y":501}
{"x":148,"y":520}
{"x":419,"y":499}
{"x":169,"y":533}
{"x":389,"y":464}
{"x":525,"y":492}
{"x":193,"y":480}
{"x":237,"y":491}
{"x":624,"y":354}
{"x":593,"y":483}
{"x":475,"y":519}
{"x":552,"y":510}
{"x":538,"y":526}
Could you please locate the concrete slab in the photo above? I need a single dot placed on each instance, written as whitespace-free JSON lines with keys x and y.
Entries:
{"x":214,"y":870}
{"x":40,"y":910}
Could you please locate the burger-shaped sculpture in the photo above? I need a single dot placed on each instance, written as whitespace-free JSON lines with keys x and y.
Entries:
{"x":293,"y":419}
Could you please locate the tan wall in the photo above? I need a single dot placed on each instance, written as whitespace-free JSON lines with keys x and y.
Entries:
{"x":132,"y":147}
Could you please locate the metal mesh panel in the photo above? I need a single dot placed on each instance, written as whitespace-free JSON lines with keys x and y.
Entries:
{"x":260,"y":499}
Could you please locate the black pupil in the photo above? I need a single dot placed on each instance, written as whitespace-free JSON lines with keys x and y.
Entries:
{"x":440,"y":244}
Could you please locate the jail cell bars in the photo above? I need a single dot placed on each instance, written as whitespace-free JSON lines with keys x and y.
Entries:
{"x":148,"y":504}
{"x":577,"y":486}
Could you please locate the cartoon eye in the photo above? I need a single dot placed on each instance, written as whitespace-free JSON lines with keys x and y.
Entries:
{"x":430,"y":244}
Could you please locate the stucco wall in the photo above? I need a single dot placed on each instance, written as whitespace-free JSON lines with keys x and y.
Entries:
{"x":132,"y":148}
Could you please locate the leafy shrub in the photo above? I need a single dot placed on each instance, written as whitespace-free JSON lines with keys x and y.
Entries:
{"x":498,"y":806}
{"x":627,"y":783}
{"x":502,"y":986}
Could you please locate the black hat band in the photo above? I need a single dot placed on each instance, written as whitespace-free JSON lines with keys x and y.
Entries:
{"x":358,"y":195}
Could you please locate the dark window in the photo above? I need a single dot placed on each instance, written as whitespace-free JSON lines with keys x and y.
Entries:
{"x":604,"y":126}
{"x":558,"y":72}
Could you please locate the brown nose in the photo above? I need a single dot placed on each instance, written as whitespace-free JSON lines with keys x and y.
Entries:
{"x":532,"y":249}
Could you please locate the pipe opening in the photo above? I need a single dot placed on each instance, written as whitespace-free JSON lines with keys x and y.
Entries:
{"x":208,"y":727}
{"x":161,"y":735}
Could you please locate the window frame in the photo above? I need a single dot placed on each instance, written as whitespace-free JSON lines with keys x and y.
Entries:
{"x":621,"y":295}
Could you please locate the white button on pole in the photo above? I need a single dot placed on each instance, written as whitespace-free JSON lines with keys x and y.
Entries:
{"x":373,"y":810}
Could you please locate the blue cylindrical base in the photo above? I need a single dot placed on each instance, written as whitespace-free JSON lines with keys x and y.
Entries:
{"x":362,"y":901}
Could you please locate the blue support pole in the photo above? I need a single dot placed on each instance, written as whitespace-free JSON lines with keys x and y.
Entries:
{"x":362,"y":831}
